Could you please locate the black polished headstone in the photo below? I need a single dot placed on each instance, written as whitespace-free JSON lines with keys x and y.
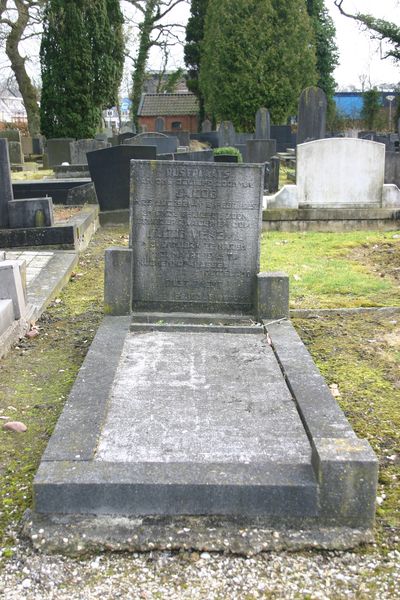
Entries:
{"x":59,"y":151}
{"x":109,"y":170}
{"x":195,"y":236}
{"x":283,"y":136}
{"x":6,"y":192}
{"x":311,"y":115}
{"x":263,"y":124}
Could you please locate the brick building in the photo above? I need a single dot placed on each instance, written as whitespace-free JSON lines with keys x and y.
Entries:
{"x":179,"y":111}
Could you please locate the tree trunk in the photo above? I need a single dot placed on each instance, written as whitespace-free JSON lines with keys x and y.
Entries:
{"x":26,"y":88}
{"x":146,"y":28}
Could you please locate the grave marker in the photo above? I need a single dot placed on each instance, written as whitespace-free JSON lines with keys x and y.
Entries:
{"x":311,"y":115}
{"x":6,"y":193}
{"x":263,"y":124}
{"x":210,"y":264}
{"x":227,"y":134}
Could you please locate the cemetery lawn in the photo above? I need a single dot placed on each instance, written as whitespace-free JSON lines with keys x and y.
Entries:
{"x":358,"y":353}
{"x":330,"y":270}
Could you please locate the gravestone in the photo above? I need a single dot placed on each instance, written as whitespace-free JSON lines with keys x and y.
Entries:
{"x":260,"y":151}
{"x":198,"y":430}
{"x":27,"y":145}
{"x":6,"y":193}
{"x":16,"y":155}
{"x":392,"y":168}
{"x":273,"y":175}
{"x":283,"y":136}
{"x":263,"y":125}
{"x":120,"y":139}
{"x":59,"y":151}
{"x":160,"y":124}
{"x":102,"y":137}
{"x":325,"y":176}
{"x":164,"y":143}
{"x":37,"y":145}
{"x":311,"y":115}
{"x":206,"y":126}
{"x":12,"y":135}
{"x":212,"y":265}
{"x":79,"y":148}
{"x":109,"y":169}
{"x":227,"y":134}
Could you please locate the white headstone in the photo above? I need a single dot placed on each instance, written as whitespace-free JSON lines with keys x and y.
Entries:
{"x":340,"y":172}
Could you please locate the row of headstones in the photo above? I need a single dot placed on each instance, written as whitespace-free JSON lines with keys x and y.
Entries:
{"x":32,"y":212}
{"x":390,"y":140}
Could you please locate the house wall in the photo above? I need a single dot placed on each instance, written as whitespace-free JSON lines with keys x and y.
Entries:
{"x":189,"y":122}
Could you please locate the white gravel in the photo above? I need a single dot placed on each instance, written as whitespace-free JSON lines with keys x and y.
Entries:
{"x":307,"y":575}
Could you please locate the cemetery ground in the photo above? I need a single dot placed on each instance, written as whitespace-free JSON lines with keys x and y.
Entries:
{"x":358,"y":353}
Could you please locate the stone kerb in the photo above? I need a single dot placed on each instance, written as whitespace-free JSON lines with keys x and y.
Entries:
{"x":340,"y":172}
{"x":195,"y":236}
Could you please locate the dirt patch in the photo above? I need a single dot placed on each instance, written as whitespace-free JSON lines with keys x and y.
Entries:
{"x":64,"y":213}
{"x":383,"y":258}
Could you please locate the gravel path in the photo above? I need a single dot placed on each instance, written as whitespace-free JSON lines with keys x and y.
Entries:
{"x":307,"y":575}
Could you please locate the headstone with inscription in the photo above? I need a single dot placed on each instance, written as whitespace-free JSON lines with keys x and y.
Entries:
{"x":190,"y":434}
{"x":195,"y":236}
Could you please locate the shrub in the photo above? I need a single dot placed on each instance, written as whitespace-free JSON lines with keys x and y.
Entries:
{"x":229,"y":150}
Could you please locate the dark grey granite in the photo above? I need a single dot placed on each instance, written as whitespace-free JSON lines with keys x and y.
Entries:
{"x":206,"y":126}
{"x":182,"y":136}
{"x":273,"y":175}
{"x":263,"y":124}
{"x":163,"y":143}
{"x":58,"y":151}
{"x":311,"y":115}
{"x":6,"y":191}
{"x":33,"y":212}
{"x":392,"y":168}
{"x":195,"y":235}
{"x":81,"y":194}
{"x":283,"y":136}
{"x":260,"y":151}
{"x":117,"y":281}
{"x":58,"y":189}
{"x":110,"y":172}
{"x":16,"y":154}
{"x":79,"y":149}
{"x":272,"y":296}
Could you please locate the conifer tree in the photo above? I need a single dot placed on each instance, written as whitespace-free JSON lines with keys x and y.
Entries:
{"x":256,"y":54}
{"x":325,"y":48}
{"x":82,"y":59}
{"x":193,"y":50}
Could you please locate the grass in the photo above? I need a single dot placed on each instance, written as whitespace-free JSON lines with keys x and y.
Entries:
{"x":329,"y":270}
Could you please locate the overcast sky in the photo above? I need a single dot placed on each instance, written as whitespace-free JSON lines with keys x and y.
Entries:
{"x":359,"y":55}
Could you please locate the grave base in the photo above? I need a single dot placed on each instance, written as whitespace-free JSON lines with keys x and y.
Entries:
{"x":83,"y":534}
{"x":331,"y":219}
{"x":74,"y":234}
{"x":201,"y":437}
